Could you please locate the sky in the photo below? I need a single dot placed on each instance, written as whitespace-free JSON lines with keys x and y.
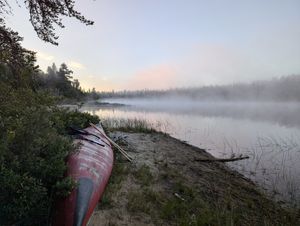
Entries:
{"x":161,"y":44}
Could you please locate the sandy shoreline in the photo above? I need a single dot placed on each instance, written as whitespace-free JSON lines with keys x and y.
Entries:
{"x":166,"y":178}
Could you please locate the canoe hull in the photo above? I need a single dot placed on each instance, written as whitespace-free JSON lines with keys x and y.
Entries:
{"x":91,"y":168}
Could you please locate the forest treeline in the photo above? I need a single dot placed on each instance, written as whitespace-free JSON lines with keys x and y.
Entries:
{"x":59,"y":82}
{"x":34,"y":140}
{"x":285,"y":88}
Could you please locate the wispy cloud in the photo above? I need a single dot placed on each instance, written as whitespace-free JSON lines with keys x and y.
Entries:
{"x":45,"y":56}
{"x":157,"y":77}
{"x":76,"y":65}
{"x":98,"y":81}
{"x":104,"y":78}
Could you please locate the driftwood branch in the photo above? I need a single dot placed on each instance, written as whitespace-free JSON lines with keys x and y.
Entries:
{"x":222,"y":160}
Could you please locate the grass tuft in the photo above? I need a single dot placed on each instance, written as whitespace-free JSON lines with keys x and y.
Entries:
{"x":120,"y":170}
{"x":144,"y":175}
{"x":128,"y":125}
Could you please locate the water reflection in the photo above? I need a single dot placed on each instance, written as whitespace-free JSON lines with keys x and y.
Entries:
{"x":285,"y":114}
{"x":269,"y":133}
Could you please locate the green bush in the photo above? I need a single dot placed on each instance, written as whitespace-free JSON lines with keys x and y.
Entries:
{"x":33,"y":134}
{"x":33,"y":147}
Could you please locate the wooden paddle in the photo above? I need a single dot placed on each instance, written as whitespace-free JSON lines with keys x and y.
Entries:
{"x":122,"y":151}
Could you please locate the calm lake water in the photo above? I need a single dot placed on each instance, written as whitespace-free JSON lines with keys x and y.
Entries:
{"x":269,"y":133}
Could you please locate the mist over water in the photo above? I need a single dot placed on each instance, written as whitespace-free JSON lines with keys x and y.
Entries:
{"x":282,"y":113}
{"x":268,"y":132}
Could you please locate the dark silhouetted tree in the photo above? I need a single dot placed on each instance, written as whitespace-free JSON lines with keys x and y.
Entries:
{"x":76,"y":84}
{"x":60,"y":82}
{"x":14,"y":56}
{"x":46,"y":14}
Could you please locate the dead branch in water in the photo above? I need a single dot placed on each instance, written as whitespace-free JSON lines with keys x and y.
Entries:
{"x":222,"y":160}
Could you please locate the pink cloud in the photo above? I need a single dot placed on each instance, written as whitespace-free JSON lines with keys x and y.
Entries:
{"x":158,"y":77}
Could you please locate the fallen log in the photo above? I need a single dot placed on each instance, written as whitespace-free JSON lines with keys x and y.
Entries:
{"x":222,"y":160}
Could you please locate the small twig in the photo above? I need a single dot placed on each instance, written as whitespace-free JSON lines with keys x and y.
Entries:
{"x":179,"y":196}
{"x":222,"y":160}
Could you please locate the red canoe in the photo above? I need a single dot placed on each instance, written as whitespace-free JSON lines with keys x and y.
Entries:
{"x":91,"y":167}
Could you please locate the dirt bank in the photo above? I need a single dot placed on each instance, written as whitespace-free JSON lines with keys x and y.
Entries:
{"x":166,"y":185}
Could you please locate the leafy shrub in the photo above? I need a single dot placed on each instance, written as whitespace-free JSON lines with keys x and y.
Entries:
{"x":33,"y":147}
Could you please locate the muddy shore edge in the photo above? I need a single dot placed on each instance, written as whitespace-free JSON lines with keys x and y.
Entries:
{"x":166,"y":185}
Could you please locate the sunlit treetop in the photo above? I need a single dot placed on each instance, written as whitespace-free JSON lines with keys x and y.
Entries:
{"x":46,"y":14}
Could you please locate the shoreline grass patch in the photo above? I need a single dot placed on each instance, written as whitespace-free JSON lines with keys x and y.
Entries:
{"x":127,"y":125}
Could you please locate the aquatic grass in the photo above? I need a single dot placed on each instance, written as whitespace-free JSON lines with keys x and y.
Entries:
{"x":128,"y":125}
{"x":271,"y":164}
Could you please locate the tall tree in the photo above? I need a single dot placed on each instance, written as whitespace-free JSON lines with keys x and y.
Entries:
{"x":13,"y":55}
